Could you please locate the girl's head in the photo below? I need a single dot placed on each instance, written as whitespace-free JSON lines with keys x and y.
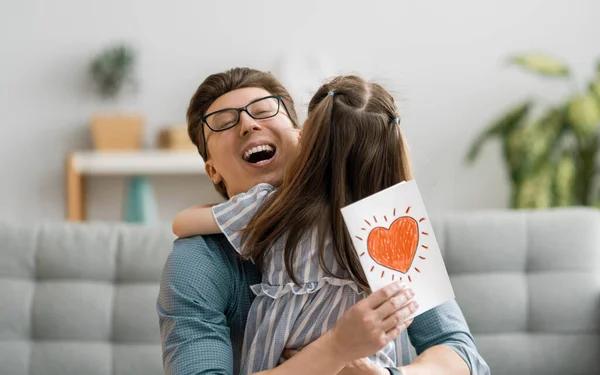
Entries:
{"x":351,"y":142}
{"x":351,"y":147}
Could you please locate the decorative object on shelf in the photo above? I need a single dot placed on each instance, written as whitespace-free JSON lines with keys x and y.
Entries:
{"x":112,"y":72}
{"x":117,"y":132}
{"x":140,"y":202}
{"x":552,"y":158}
{"x":175,"y":138}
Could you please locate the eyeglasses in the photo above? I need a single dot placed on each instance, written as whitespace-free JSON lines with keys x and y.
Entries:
{"x":224,"y":119}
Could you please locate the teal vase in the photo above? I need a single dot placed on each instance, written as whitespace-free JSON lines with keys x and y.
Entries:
{"x":140,"y":202}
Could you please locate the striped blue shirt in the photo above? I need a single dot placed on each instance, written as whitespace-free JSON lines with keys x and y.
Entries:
{"x":285,"y":315}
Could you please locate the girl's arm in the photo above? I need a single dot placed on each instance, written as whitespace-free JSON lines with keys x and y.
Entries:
{"x":194,"y":221}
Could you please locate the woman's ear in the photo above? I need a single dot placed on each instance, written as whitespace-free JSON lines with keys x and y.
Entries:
{"x":212,"y":172}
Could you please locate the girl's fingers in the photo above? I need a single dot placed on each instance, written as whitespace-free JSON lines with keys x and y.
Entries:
{"x":394,"y":304}
{"x":399,"y":317}
{"x":384,"y":294}
{"x":397,"y":330}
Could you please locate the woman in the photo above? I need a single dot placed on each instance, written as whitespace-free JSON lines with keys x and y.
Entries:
{"x":205,"y":289}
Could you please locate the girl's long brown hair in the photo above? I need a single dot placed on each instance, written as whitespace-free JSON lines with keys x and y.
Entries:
{"x":350,"y":149}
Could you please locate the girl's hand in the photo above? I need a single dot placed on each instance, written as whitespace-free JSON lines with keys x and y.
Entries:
{"x":373,"y":322}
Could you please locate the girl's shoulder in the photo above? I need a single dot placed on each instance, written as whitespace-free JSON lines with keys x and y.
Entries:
{"x":257,"y":194}
{"x":263,"y":186}
{"x":261,"y":189}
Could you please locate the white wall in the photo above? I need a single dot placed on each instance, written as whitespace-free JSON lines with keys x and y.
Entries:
{"x":443,"y":58}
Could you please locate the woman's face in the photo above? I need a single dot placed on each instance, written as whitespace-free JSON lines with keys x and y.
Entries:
{"x":230,"y":158}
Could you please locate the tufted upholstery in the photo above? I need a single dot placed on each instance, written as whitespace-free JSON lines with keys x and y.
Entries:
{"x":78,"y":299}
{"x":529,"y":286}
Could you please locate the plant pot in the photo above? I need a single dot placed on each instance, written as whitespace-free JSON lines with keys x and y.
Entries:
{"x":117,"y":132}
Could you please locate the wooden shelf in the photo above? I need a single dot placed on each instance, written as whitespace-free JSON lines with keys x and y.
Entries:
{"x":123,"y":163}
{"x":151,"y":162}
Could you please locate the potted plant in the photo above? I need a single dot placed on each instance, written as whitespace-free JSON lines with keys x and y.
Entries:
{"x":112,"y":72}
{"x":551,"y":158}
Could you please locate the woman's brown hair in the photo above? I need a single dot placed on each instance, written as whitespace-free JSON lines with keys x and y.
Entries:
{"x":351,"y":147}
{"x":220,"y":84}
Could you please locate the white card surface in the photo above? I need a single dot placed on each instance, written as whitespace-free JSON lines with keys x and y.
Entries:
{"x":394,"y":239}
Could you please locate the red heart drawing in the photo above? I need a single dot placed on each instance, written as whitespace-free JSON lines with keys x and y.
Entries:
{"x":395,"y":248}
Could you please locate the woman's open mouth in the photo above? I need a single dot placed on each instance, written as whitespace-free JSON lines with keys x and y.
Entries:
{"x":259,"y":154}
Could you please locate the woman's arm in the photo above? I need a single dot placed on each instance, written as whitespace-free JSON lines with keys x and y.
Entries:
{"x":444,"y":344}
{"x":437,"y":360}
{"x":196,"y":287}
{"x":194,"y":221}
{"x":363,"y":330}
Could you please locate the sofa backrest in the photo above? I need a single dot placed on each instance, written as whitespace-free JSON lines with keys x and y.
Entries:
{"x":80,"y":298}
{"x":528,"y":283}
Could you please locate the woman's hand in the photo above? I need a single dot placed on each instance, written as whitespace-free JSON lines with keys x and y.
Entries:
{"x":361,"y":366}
{"x":373,"y":322}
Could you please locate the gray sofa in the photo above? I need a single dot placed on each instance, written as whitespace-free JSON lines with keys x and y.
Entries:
{"x":80,"y":298}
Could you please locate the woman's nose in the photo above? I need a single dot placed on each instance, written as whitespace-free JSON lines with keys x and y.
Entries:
{"x":248,"y":124}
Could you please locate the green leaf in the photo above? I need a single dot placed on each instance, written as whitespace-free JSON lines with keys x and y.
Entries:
{"x":587,"y":156}
{"x":112,"y":69}
{"x":535,"y":190}
{"x":564,"y":180}
{"x":514,"y":146}
{"x":541,"y":63}
{"x":595,"y":88}
{"x":500,"y":126}
{"x":583,"y":112}
{"x":529,"y":147}
{"x":543,"y":139}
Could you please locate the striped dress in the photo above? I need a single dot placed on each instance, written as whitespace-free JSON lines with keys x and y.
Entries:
{"x":283,"y":314}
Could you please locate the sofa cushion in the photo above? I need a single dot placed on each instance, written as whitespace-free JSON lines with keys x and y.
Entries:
{"x":81,"y":298}
{"x":528,"y":283}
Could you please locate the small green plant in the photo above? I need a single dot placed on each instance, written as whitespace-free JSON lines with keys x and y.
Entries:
{"x":112,"y":70}
{"x":552,"y":158}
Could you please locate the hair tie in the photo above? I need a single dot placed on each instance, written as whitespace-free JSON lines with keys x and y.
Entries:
{"x":396,"y":120}
{"x":331,"y":93}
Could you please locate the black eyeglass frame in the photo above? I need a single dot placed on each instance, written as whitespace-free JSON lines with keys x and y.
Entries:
{"x":239,"y":112}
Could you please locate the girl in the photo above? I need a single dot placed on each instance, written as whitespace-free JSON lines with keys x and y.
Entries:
{"x":351,"y":148}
